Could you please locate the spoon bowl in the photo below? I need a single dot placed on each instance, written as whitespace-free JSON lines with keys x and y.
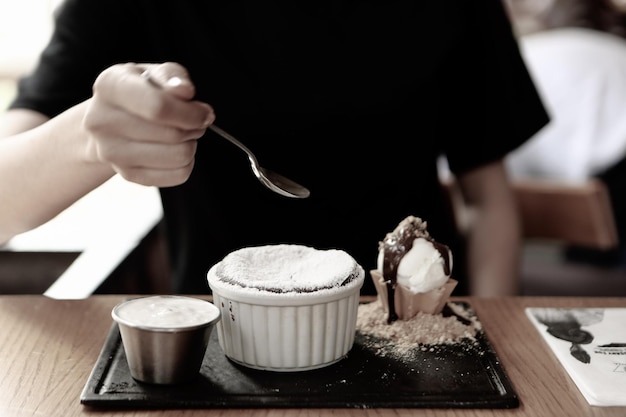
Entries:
{"x":272,"y":180}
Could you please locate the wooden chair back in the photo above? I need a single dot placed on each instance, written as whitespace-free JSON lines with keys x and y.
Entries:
{"x":575,"y":214}
{"x":578,"y":214}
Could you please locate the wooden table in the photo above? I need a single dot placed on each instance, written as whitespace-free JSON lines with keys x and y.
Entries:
{"x":48,"y":348}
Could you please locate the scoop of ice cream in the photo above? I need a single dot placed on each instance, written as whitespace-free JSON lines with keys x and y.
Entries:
{"x":423,"y":267}
{"x":409,"y":257}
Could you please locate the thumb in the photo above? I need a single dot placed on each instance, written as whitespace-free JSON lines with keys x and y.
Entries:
{"x":170,"y":77}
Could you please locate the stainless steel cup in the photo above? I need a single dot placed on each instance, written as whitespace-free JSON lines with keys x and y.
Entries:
{"x":165,"y":337}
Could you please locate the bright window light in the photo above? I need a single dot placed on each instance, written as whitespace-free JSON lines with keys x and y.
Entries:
{"x":25,"y":27}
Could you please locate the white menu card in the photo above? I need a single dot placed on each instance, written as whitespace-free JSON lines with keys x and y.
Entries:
{"x":590,"y":343}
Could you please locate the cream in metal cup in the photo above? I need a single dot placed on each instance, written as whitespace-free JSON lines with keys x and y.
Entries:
{"x":165,"y":337}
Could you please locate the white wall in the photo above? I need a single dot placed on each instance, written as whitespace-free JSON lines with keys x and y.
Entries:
{"x":25,"y":27}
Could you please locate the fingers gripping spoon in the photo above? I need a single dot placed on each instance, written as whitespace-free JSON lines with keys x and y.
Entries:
{"x":272,"y":180}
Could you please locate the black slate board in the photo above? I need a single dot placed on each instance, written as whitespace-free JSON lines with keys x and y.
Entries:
{"x":463,"y":375}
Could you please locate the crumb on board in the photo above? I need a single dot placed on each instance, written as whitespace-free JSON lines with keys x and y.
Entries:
{"x":423,"y":330}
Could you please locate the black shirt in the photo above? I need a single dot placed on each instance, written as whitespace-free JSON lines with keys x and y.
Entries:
{"x":353,"y":99}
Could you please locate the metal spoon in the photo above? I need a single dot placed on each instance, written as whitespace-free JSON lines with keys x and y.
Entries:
{"x":272,"y":180}
{"x":275,"y":182}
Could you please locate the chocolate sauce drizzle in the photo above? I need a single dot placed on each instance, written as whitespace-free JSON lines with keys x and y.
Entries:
{"x":395,"y":246}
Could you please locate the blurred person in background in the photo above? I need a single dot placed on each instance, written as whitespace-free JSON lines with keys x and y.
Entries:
{"x":576,"y":53}
{"x":355,"y":100}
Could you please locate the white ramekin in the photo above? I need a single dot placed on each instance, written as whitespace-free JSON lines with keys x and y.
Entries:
{"x":285,"y":331}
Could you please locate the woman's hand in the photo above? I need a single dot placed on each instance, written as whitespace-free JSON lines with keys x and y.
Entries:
{"x":146,"y":129}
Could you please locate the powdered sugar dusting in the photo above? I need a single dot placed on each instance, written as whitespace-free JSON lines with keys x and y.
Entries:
{"x":286,"y":268}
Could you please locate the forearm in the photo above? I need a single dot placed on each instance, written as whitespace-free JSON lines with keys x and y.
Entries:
{"x":494,"y":253}
{"x":43,"y":170}
{"x":147,"y":134}
{"x":493,"y":232}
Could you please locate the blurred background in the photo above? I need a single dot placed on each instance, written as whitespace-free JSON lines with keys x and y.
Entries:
{"x":576,"y":53}
{"x":25,"y":27}
{"x":555,"y":201}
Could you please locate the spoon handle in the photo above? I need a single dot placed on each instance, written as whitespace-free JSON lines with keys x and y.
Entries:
{"x":234,"y":141}
{"x":270,"y":179}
